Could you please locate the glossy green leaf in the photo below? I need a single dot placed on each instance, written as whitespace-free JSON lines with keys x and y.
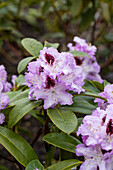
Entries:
{"x":20,"y":80}
{"x":81,"y":106}
{"x":65,"y":120}
{"x":49,"y":156}
{"x":23,"y":63}
{"x":17,"y":146}
{"x":20,"y":95}
{"x":62,"y":141}
{"x":98,"y":85}
{"x":12,"y":94}
{"x":92,"y":94}
{"x":37,"y":116}
{"x":34,"y":164}
{"x":89,"y":86}
{"x":20,"y":110}
{"x":32,"y":46}
{"x":47,"y":44}
{"x":79,"y":54}
{"x":106,"y":83}
{"x":65,"y":165}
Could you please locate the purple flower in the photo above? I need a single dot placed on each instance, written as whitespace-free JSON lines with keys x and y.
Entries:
{"x":2,"y":117}
{"x":107,"y":94}
{"x":51,"y":61}
{"x":95,"y":157}
{"x":98,"y":128}
{"x":13,"y":80}
{"x":4,"y":100}
{"x":36,"y":76}
{"x":89,"y":65}
{"x":52,"y":75}
{"x":53,"y":94}
{"x":3,"y":79}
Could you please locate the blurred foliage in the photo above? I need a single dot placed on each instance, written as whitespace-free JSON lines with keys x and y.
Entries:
{"x":56,"y":21}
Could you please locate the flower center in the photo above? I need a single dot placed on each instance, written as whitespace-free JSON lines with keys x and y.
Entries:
{"x":49,"y":83}
{"x":41,"y":69}
{"x":49,"y":58}
{"x":109,"y":129}
{"x":78,"y":61}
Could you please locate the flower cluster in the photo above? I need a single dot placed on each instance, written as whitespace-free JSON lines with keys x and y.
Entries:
{"x":52,"y":75}
{"x":97,"y":135}
{"x":4,"y":100}
{"x":3,"y":79}
{"x":108,"y":95}
{"x":90,"y":66}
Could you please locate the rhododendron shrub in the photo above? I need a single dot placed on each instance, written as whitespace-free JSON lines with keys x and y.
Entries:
{"x":64,"y":91}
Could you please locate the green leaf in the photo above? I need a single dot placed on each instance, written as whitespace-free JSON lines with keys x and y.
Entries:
{"x":20,"y":95}
{"x":47,"y":44}
{"x":81,"y":106}
{"x":105,"y":11}
{"x":62,"y":141}
{"x":37,"y":116}
{"x":34,"y":164}
{"x":65,"y":120}
{"x":45,"y":8}
{"x":92,"y":94}
{"x":65,"y":165}
{"x":106,"y":83}
{"x":98,"y":85}
{"x":87,"y":18}
{"x":12,"y":94}
{"x":78,"y":54}
{"x":17,"y":146}
{"x":20,"y":79}
{"x":49,"y":156}
{"x":76,"y":7}
{"x":32,"y":46}
{"x":89,"y":86}
{"x":79,"y":123}
{"x":20,"y":110}
{"x":23,"y":63}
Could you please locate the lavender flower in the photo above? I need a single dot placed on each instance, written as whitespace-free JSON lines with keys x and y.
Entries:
{"x":98,"y":128}
{"x":95,"y":158}
{"x":2,"y":117}
{"x":13,"y":80}
{"x":107,"y":94}
{"x":3,"y":79}
{"x":89,"y":65}
{"x":4,"y":99}
{"x":52,"y":75}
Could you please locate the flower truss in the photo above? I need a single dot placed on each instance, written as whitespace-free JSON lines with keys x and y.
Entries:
{"x":4,"y":100}
{"x":90,"y":66}
{"x":108,"y":95}
{"x":52,"y":75}
{"x":3,"y":79}
{"x":97,"y":135}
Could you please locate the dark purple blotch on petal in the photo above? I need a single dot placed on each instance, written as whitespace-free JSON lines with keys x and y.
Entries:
{"x":103,"y":119}
{"x":109,"y":128}
{"x":49,"y":58}
{"x":41,"y":69}
{"x":49,"y":83}
{"x":78,"y":61}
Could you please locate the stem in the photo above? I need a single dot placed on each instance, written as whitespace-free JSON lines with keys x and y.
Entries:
{"x":37,"y":136}
{"x":45,"y":129}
